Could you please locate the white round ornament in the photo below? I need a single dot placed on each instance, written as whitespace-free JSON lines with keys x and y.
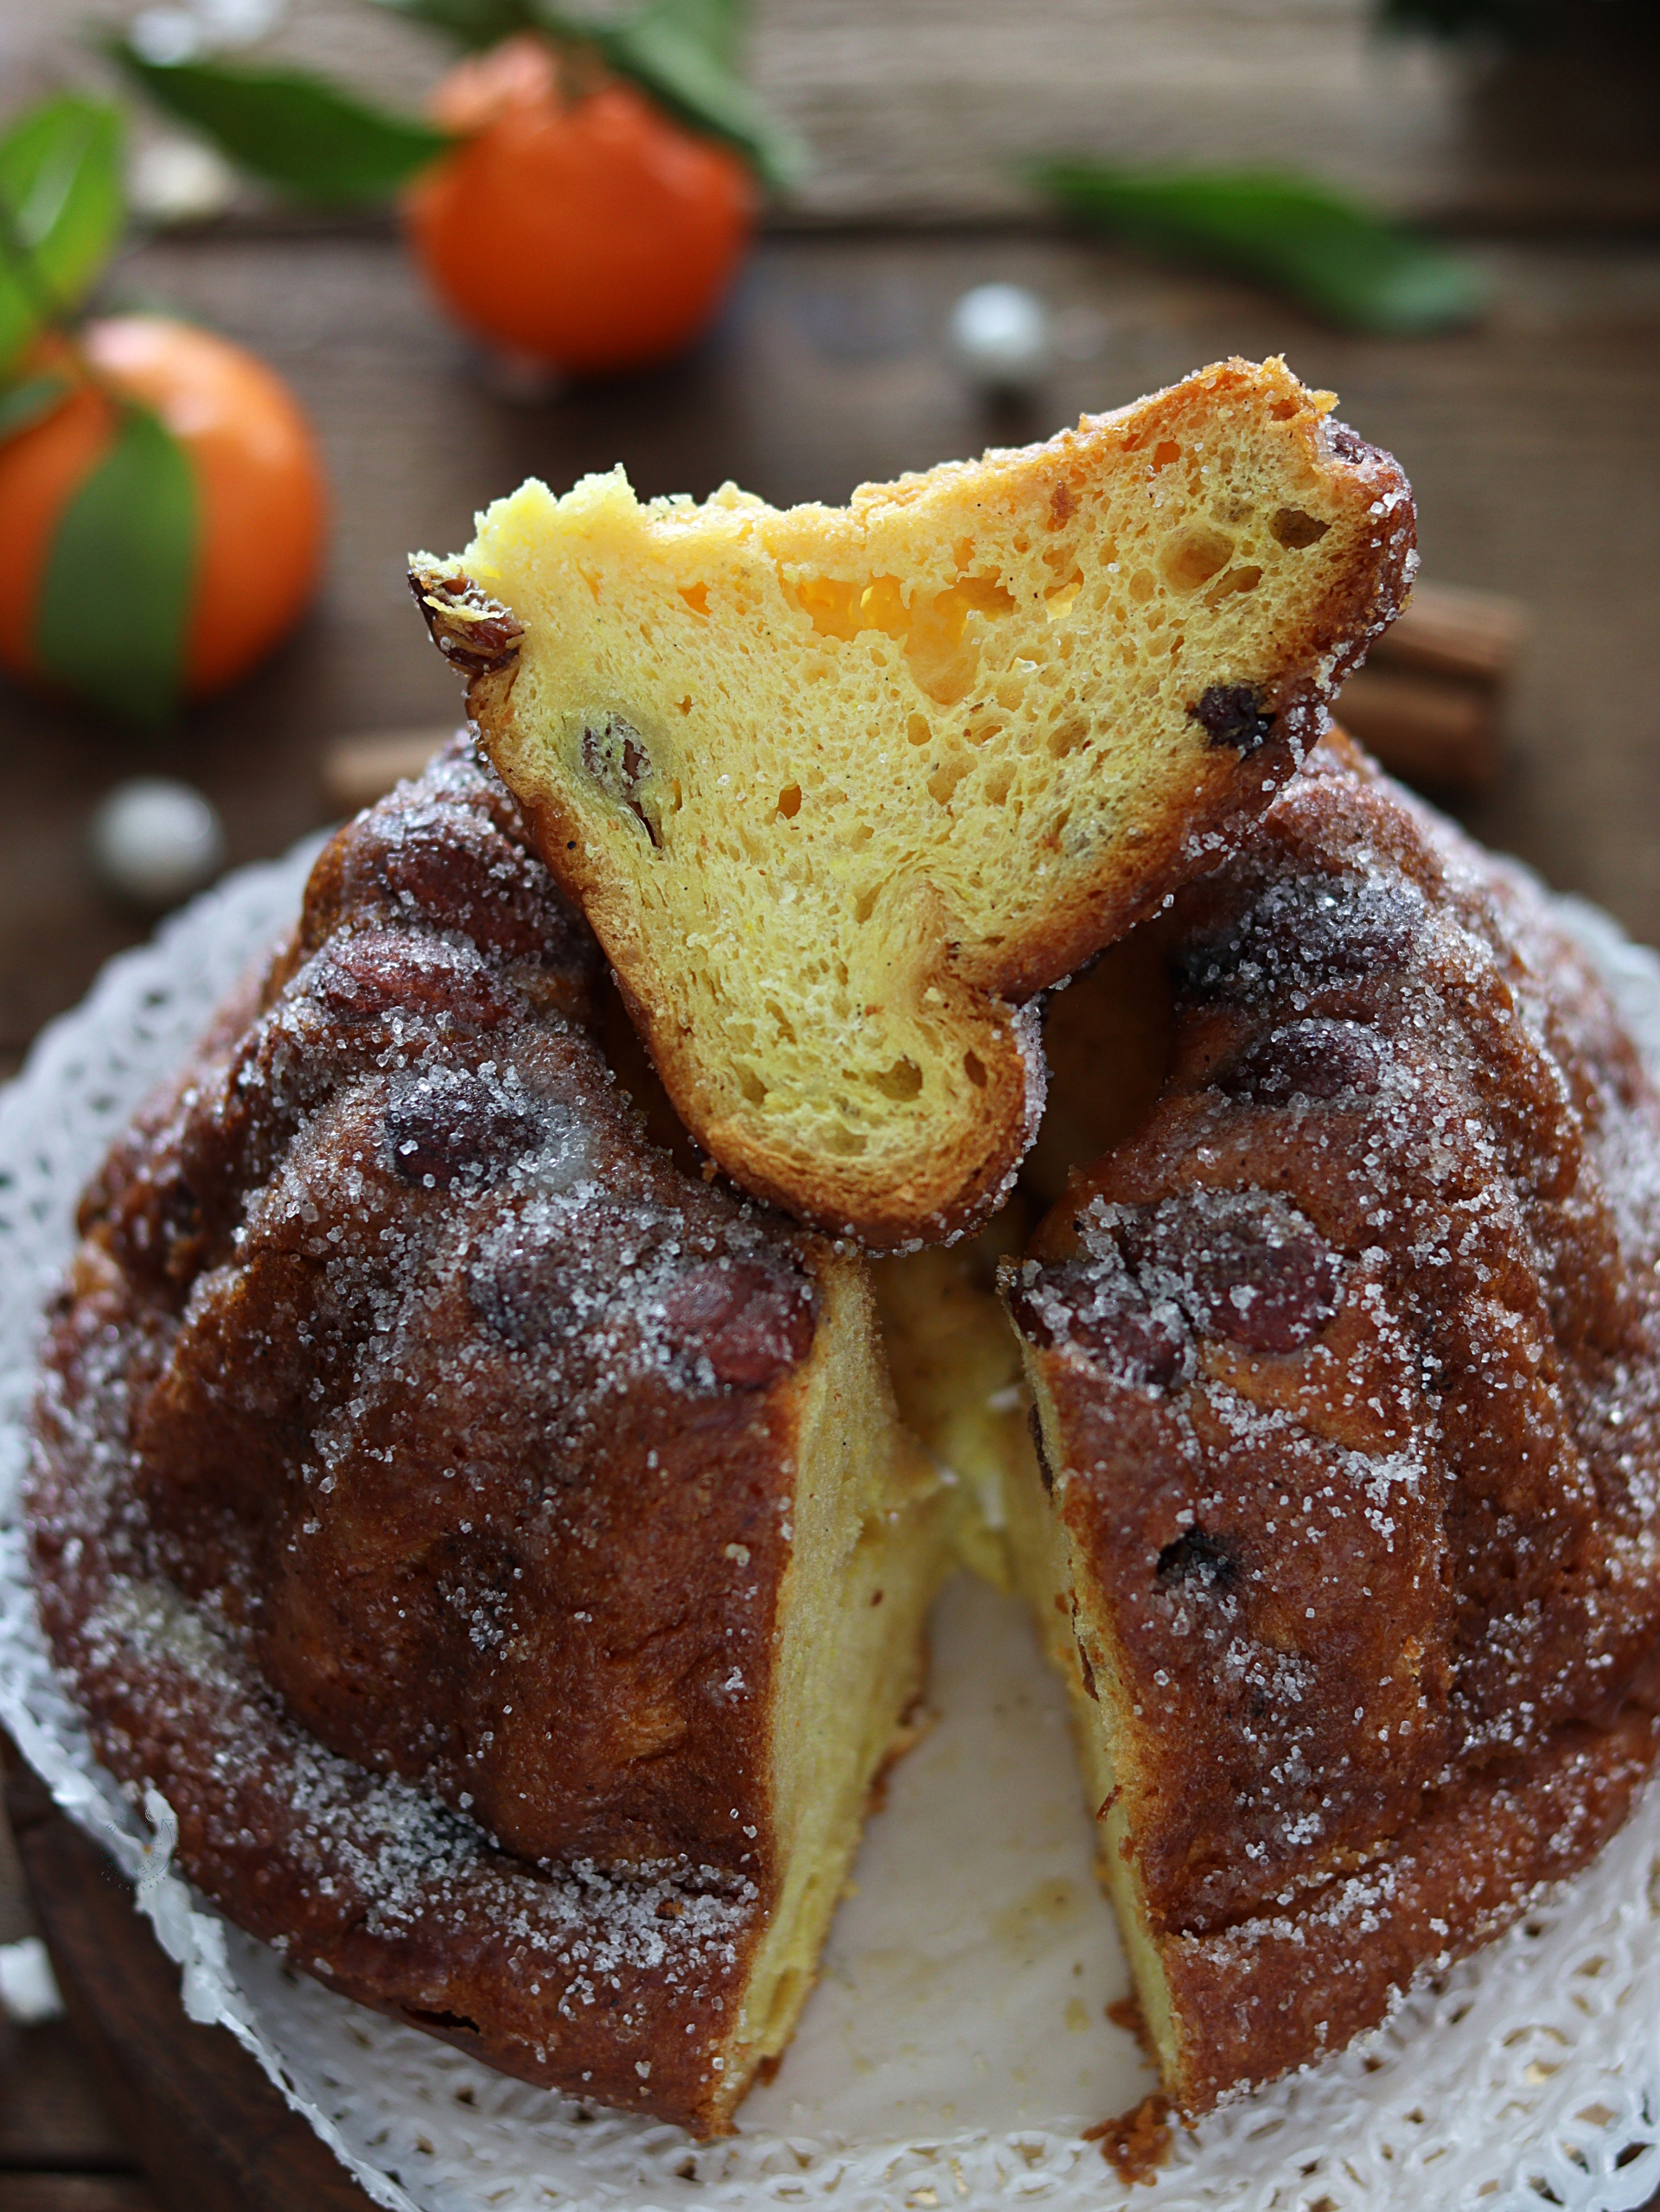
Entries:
{"x":1003,"y":337}
{"x":154,"y":841}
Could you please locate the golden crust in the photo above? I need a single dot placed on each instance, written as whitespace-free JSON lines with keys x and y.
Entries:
{"x":998,"y":830}
{"x":1267,"y":1993}
{"x":1348,"y":1367}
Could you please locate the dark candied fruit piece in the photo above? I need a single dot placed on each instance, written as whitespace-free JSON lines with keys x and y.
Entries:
{"x":1304,"y":931}
{"x":454,"y":866}
{"x":383,"y":971}
{"x":614,"y":753}
{"x":750,"y":1319}
{"x":1349,"y":445}
{"x":1098,"y":1311}
{"x":1313,"y":1059}
{"x":1245,"y":1266}
{"x":445,"y":1126}
{"x":522,"y":1281}
{"x":474,"y":633}
{"x":1197,"y":1559}
{"x":1232,"y":714}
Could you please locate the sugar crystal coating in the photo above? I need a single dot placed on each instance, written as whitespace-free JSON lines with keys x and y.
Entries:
{"x":390,"y":1336}
{"x":1350,"y":1364}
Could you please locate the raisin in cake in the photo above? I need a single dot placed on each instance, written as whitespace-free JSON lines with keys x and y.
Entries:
{"x":841,"y":790}
{"x":497,"y":1544}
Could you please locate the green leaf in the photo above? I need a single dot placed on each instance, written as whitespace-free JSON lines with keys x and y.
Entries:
{"x":472,"y":24}
{"x":680,"y":51}
{"x":1517,"y":23}
{"x":116,"y":596}
{"x":60,"y":212}
{"x":23,"y":403}
{"x":717,"y":25}
{"x":292,"y":129}
{"x":684,"y":53}
{"x":1328,"y":253}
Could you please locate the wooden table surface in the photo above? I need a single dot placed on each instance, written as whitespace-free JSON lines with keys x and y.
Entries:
{"x":1534,"y":444}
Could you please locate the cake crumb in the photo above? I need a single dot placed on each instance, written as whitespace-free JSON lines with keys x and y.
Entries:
{"x":1137,"y":2143}
{"x":1126,"y":2012}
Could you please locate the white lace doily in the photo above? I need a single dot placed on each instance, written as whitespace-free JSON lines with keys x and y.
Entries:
{"x":955,"y":2046}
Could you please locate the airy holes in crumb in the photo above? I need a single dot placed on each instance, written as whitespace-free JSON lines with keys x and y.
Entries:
{"x":1194,"y":556}
{"x":902,"y":1082}
{"x":1237,"y":580}
{"x":1294,"y":529}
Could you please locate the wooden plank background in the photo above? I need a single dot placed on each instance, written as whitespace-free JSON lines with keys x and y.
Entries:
{"x":924,"y":110}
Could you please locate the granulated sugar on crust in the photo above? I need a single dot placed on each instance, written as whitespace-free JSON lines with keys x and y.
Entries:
{"x":1349,"y":1365}
{"x":391,"y":1334}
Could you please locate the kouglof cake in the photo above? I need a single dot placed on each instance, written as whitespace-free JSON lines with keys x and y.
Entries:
{"x":1343,"y":1521}
{"x":507,"y":1546}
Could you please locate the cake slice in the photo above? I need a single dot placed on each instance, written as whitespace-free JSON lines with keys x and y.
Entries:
{"x":841,"y":790}
{"x":1345,"y":1366}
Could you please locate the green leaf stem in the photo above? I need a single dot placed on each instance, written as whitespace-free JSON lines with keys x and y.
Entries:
{"x":27,"y":402}
{"x":680,"y":51}
{"x":472,"y":24}
{"x":115,"y":598}
{"x":685,"y":53}
{"x":61,"y":213}
{"x":1332,"y":255}
{"x":295,"y":131}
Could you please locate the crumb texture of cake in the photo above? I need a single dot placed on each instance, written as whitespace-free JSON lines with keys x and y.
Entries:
{"x":468,"y":1520}
{"x":841,"y":790}
{"x":1344,"y":1526}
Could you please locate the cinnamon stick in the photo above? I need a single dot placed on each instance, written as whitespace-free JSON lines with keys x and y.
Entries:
{"x":356,"y":771}
{"x":1441,"y":734}
{"x":1429,"y":703}
{"x":1447,"y":631}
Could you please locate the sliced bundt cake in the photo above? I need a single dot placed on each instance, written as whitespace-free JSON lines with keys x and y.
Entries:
{"x":1344,"y":1520}
{"x":497,"y":1544}
{"x":841,"y":790}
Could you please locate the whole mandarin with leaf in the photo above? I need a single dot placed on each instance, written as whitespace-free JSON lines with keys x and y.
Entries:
{"x":260,"y":492}
{"x":576,"y":224}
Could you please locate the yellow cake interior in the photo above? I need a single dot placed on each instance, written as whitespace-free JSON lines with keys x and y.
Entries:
{"x":868,"y":1553}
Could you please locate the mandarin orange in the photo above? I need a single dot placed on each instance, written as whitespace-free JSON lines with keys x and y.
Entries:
{"x":262,"y":494}
{"x":579,"y":227}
